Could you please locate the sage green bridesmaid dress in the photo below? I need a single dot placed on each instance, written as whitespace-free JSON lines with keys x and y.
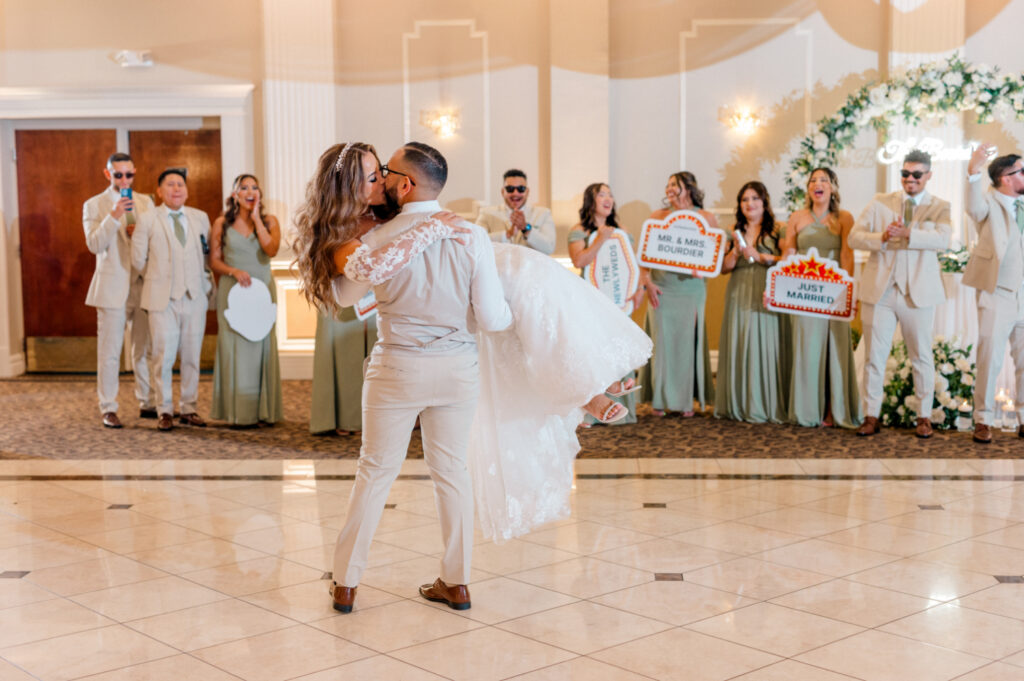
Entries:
{"x":749,"y":386}
{"x":246,"y":374}
{"x":821,"y":353}
{"x":681,"y":366}
{"x":342,"y":344}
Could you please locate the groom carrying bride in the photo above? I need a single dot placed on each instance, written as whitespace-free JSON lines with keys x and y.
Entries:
{"x":423,"y":365}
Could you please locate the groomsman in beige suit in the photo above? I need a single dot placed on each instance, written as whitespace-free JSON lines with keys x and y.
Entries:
{"x":516,"y":222}
{"x":109,"y":221}
{"x":167,"y":249}
{"x":901,"y":282}
{"x":996,"y":270}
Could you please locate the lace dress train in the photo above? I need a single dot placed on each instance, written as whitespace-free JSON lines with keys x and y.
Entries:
{"x":569,"y":342}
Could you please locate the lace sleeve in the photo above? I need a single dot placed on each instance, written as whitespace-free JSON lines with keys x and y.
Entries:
{"x":378,"y":265}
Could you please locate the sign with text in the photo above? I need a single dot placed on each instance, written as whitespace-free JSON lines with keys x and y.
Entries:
{"x":682,"y":242}
{"x":810,"y":285}
{"x":366,"y":307}
{"x":614,"y":271}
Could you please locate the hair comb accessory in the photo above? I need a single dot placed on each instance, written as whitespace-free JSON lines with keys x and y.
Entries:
{"x":341,"y":156}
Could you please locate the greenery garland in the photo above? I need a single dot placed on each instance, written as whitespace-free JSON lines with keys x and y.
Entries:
{"x":927,"y":91}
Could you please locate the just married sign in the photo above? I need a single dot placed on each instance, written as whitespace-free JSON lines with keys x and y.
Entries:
{"x":682,"y":242}
{"x":810,"y":285}
{"x":366,"y":307}
{"x":614,"y":271}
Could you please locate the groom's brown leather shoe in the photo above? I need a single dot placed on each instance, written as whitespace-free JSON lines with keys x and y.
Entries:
{"x":869,"y":427}
{"x":924,"y":428}
{"x":344,"y":597}
{"x":456,"y":596}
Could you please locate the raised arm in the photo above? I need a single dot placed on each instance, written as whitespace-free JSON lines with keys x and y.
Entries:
{"x":542,"y":235}
{"x":862,"y":236}
{"x":100,"y":229}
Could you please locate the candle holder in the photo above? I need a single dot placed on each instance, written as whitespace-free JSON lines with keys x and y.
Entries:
{"x":1009,"y":416}
{"x":963,"y":418}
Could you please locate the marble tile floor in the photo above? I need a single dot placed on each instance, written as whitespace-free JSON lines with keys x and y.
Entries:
{"x":674,"y":569}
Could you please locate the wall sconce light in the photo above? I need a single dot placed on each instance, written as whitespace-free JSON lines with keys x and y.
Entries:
{"x":743,"y":120}
{"x":444,"y":122}
{"x":133,"y":58}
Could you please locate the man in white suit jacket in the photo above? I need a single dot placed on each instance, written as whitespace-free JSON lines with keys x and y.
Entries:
{"x":109,"y":221}
{"x":996,"y":270}
{"x":515,"y":222}
{"x":168,"y":249}
{"x":901,"y":282}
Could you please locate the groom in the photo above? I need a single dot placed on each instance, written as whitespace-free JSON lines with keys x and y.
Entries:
{"x":423,"y":365}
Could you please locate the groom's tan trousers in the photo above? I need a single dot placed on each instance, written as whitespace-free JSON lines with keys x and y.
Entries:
{"x":442,"y":391}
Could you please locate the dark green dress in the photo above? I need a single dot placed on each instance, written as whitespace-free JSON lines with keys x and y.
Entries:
{"x":681,"y":366}
{"x":246,"y":374}
{"x":341,"y":346}
{"x":749,"y":387}
{"x":822,"y":353}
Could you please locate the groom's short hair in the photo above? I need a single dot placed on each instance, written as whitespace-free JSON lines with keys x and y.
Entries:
{"x":428,"y":162}
{"x":999,"y":166}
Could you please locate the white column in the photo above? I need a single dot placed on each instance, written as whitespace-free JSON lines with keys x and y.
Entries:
{"x":579,"y":103}
{"x":299,"y":110}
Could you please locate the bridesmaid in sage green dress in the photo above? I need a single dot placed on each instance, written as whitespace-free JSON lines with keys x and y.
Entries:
{"x":749,"y":386}
{"x":246,"y":374}
{"x":597,"y":223}
{"x":681,"y":366}
{"x":823,"y":388}
{"x":342,"y":344}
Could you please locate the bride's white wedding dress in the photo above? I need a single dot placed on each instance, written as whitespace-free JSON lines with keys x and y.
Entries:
{"x":568,"y":343}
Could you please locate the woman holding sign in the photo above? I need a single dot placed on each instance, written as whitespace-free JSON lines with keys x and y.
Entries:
{"x":823,"y":388}
{"x":246,"y":373}
{"x":681,"y":368}
{"x":749,"y":382}
{"x":597,"y":229}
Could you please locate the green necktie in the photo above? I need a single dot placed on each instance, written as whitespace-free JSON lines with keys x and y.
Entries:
{"x":179,"y":229}
{"x":1020,"y":213}
{"x":908,"y":211}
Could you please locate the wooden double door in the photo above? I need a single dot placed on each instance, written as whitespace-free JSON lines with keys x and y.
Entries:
{"x":57,"y":171}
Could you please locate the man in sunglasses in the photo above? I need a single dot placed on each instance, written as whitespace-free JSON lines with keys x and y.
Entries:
{"x":996,"y":270}
{"x":901,"y":283}
{"x":515,"y":222}
{"x":109,"y":221}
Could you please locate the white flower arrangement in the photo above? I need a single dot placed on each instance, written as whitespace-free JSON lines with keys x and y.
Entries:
{"x":954,"y":381}
{"x":928,"y":91}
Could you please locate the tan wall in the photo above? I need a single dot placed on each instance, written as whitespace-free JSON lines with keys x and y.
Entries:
{"x":623,"y":91}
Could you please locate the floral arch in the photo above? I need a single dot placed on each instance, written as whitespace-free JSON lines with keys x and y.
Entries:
{"x":927,"y":91}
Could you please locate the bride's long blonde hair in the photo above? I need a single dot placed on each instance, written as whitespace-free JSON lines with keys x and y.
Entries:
{"x":329,"y":218}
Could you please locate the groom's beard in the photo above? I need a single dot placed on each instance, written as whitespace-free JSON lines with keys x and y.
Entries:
{"x":391,"y":206}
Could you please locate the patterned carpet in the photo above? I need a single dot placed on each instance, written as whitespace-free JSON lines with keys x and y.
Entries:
{"x":57,"y":417}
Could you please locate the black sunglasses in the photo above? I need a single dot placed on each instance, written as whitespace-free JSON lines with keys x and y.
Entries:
{"x":1013,"y":172}
{"x":385,"y":171}
{"x":118,"y":175}
{"x":513,"y":188}
{"x":918,"y":174}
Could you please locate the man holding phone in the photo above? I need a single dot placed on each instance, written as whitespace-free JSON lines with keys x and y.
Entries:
{"x":109,"y":221}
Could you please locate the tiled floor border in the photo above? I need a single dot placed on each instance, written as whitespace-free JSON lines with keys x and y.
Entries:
{"x":118,"y":477}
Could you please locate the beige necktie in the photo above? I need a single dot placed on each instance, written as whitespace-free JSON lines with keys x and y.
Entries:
{"x":1019,"y":203}
{"x":179,"y":229}
{"x":908,"y":212}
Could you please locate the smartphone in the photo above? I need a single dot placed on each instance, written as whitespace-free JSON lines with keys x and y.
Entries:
{"x":129,"y":215}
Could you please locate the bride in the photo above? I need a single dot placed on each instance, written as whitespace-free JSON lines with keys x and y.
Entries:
{"x":569,"y":343}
